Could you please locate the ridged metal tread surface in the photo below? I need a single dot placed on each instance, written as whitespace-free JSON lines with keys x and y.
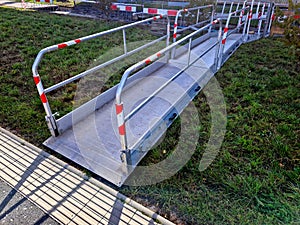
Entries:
{"x":94,"y":142}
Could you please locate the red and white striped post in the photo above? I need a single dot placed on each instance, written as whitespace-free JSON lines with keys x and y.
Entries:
{"x":119,"y":104}
{"x":249,"y":19}
{"x":121,"y":126}
{"x":45,"y":1}
{"x":37,"y":80}
{"x":49,"y":116}
{"x":42,"y":92}
{"x":176,"y":23}
{"x":260,"y":20}
{"x":272,"y":18}
{"x":241,"y":15}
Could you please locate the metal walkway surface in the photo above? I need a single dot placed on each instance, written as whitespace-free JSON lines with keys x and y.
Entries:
{"x":97,"y":148}
{"x":110,"y":134}
{"x":64,"y":192}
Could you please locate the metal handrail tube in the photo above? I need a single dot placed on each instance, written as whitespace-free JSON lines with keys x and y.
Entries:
{"x":186,"y":10}
{"x":86,"y":38}
{"x":272,"y":18}
{"x":89,"y":71}
{"x":225,"y":33}
{"x":260,"y":19}
{"x":167,"y":83}
{"x":245,"y":25}
{"x":154,"y":57}
{"x":223,"y":8}
{"x":51,"y":121}
{"x":119,"y":104}
{"x":82,"y":39}
{"x":241,"y":14}
{"x":250,"y":18}
{"x":189,"y":27}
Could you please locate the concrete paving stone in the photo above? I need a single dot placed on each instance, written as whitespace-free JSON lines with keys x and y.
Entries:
{"x":17,"y":210}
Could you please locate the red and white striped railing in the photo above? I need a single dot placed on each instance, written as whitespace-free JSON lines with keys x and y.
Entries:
{"x":155,"y":11}
{"x":121,"y":119}
{"x":124,"y":7}
{"x":52,"y":123}
{"x":179,"y":12}
{"x":45,"y":1}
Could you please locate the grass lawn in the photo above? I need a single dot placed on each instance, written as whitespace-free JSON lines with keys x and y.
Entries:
{"x":255,"y":179}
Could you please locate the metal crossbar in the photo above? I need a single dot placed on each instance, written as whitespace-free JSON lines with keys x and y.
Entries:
{"x":52,"y":124}
{"x":119,"y":104}
{"x":208,"y":43}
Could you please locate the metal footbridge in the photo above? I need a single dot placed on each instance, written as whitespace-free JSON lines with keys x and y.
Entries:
{"x":111,"y":133}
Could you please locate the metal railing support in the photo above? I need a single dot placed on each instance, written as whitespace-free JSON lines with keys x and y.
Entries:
{"x":179,"y":12}
{"x":217,"y":53}
{"x":211,"y":19}
{"x":268,"y":18}
{"x":241,"y":14}
{"x":124,"y":41}
{"x":237,"y":7}
{"x":223,"y":9}
{"x":245,"y":26}
{"x":121,"y":119}
{"x":260,"y":20}
{"x":249,"y":19}
{"x":50,"y":118}
{"x":230,"y":9}
{"x":225,"y":33}
{"x":271,"y":19}
{"x":257,"y":10}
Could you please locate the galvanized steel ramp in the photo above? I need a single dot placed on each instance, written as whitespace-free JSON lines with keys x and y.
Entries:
{"x":94,"y":141}
{"x":111,"y":133}
{"x":64,"y":192}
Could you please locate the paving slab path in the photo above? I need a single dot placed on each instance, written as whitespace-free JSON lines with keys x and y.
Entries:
{"x":62,"y":192}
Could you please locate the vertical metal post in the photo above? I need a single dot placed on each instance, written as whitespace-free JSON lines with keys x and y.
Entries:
{"x":50,"y":119}
{"x":271,"y":19}
{"x":211,"y":18}
{"x":241,"y":15}
{"x":257,"y":10}
{"x":124,"y":41}
{"x":125,"y":153}
{"x":224,"y":5}
{"x":268,"y":18}
{"x":260,"y":20}
{"x":217,"y":54}
{"x":223,"y":42}
{"x":249,"y":19}
{"x":198,"y":12}
{"x":168,"y":37}
{"x":168,"y":31}
{"x":245,"y":26}
{"x":237,"y":7}
{"x":189,"y":51}
{"x":230,"y":9}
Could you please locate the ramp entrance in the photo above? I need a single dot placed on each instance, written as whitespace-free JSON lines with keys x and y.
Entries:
{"x":111,"y":133}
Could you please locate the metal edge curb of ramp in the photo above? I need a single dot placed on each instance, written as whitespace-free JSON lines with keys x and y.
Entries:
{"x":64,"y":192}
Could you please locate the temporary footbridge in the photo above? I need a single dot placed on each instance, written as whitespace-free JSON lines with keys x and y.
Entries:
{"x":110,"y":134}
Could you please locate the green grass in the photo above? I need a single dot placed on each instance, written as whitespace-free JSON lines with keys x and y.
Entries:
{"x":255,"y":177}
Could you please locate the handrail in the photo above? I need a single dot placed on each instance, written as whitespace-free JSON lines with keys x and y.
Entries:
{"x":121,"y":119}
{"x":37,"y":79}
{"x":119,"y":104}
{"x":226,"y":29}
{"x":188,"y":10}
